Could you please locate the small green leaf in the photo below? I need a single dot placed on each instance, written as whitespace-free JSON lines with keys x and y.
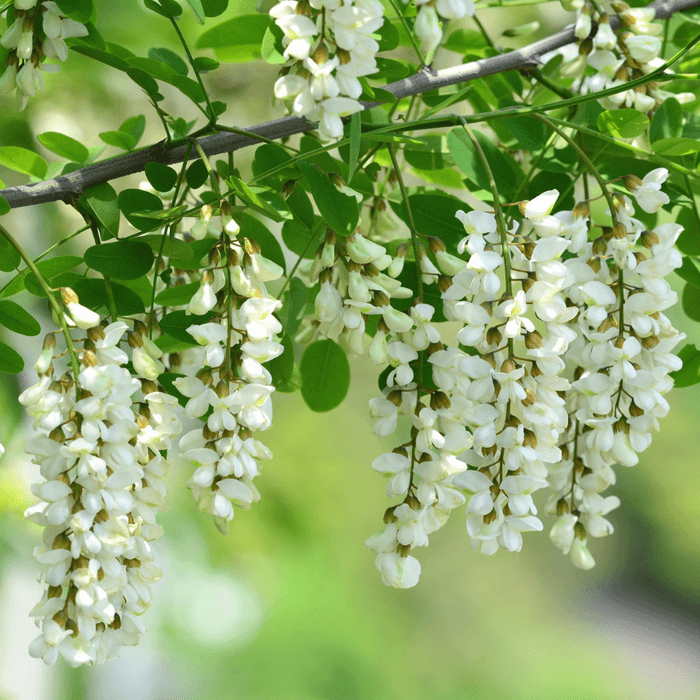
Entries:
{"x":667,"y":121}
{"x":339,"y":211}
{"x":10,"y":361}
{"x":102,"y":199}
{"x":434,"y":215}
{"x":689,"y":272}
{"x":325,"y":374}
{"x":262,"y":199}
{"x":675,"y":146}
{"x":256,"y":229}
{"x":282,"y":367}
{"x":214,"y":8}
{"x":689,"y":374}
{"x":49,"y":269}
{"x":622,"y":123}
{"x":9,"y":258}
{"x":236,"y":40}
{"x":355,"y":136}
{"x":14,"y":317}
{"x":23,"y":161}
{"x":134,"y":126}
{"x":691,"y":302}
{"x":133,"y":200}
{"x":122,"y":260}
{"x":294,"y":303}
{"x":93,"y":294}
{"x":118,"y":139}
{"x":171,"y":247}
{"x":196,"y":174}
{"x":64,"y":146}
{"x":174,"y":8}
{"x":162,"y":177}
{"x":78,"y":10}
{"x":4,"y":206}
{"x":170,"y":58}
{"x":198,"y":10}
{"x":177,"y":296}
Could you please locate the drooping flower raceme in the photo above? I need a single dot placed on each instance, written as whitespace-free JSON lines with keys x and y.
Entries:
{"x":328,"y":48}
{"x":25,"y":62}
{"x":99,"y":442}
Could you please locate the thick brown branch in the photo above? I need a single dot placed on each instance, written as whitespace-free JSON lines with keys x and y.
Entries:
{"x":66,"y":187}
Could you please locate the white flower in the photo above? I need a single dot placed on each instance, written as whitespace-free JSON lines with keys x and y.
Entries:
{"x":211,"y":336}
{"x":427,"y":28}
{"x":649,"y":195}
{"x":643,"y":49}
{"x":398,"y":571}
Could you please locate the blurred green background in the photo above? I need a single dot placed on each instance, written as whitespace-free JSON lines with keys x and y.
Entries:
{"x":289,"y":605}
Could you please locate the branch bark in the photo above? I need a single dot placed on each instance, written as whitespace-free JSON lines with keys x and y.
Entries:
{"x":67,"y":187}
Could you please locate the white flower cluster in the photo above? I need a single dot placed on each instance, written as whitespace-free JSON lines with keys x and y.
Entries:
{"x":494,"y":417}
{"x":622,"y":358}
{"x":234,"y":394}
{"x":328,"y":47}
{"x":248,"y":270}
{"x":28,"y":50}
{"x":430,"y":12}
{"x":99,"y":448}
{"x":617,"y":57}
{"x":356,"y":279}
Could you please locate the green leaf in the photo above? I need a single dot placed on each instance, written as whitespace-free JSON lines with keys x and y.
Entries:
{"x":236,"y":40}
{"x":162,"y":177}
{"x":294,"y":304}
{"x":529,"y":133}
{"x":198,"y":250}
{"x":270,"y":49}
{"x":196,"y":174}
{"x":172,"y":247}
{"x":10,"y":259}
{"x":622,"y":123}
{"x":93,"y":294}
{"x":49,"y":269}
{"x":300,"y":239}
{"x":78,"y":10}
{"x":434,"y":215}
{"x":667,"y":121}
{"x":325,"y":374}
{"x":122,"y":260}
{"x":689,"y":272}
{"x":214,"y":8}
{"x":506,"y":174}
{"x":387,"y":36}
{"x":118,"y":139}
{"x":198,"y":10}
{"x":10,"y":360}
{"x":256,"y":229}
{"x":170,"y":58}
{"x":177,"y":296}
{"x":691,"y":301}
{"x":282,"y":367}
{"x":132,"y":200}
{"x":338,"y":210}
{"x":14,"y":317}
{"x":102,"y":199}
{"x":689,"y":374}
{"x":134,"y":126}
{"x":431,"y":154}
{"x":64,"y":146}
{"x":675,"y":146}
{"x":175,"y":324}
{"x":174,"y":8}
{"x":23,"y":161}
{"x":262,"y":199}
{"x":355,"y":136}
{"x":4,"y":206}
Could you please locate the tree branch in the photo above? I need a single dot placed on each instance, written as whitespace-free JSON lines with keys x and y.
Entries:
{"x":67,"y":187}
